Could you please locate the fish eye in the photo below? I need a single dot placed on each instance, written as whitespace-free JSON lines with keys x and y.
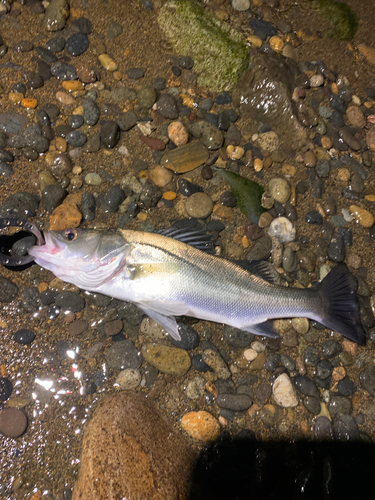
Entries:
{"x":71,"y":234}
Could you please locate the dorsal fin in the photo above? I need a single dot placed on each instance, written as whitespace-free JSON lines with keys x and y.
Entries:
{"x":261,"y":269}
{"x":197,"y":238}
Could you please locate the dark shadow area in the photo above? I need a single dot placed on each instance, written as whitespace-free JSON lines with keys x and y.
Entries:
{"x":245,"y":469}
{"x":16,"y":245}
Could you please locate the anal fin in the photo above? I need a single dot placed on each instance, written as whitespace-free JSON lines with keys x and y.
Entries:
{"x":167,"y":322}
{"x":265,"y":328}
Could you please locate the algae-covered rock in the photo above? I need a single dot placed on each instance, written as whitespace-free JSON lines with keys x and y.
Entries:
{"x":264,"y":94}
{"x":56,"y":15}
{"x":343,"y":20}
{"x":247,"y":192}
{"x":219,"y":52}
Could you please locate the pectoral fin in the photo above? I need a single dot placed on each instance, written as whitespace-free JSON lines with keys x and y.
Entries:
{"x":143,"y":270}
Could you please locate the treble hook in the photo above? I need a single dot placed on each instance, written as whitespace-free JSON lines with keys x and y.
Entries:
{"x":6,"y":222}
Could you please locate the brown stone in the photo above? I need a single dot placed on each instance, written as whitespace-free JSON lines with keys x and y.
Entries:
{"x":153,"y":142}
{"x":186,"y":157}
{"x":130,"y":451}
{"x":355,"y":116}
{"x":85,"y":73}
{"x":370,"y":138}
{"x":201,"y":425}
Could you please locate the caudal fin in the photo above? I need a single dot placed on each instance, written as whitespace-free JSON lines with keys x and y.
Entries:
{"x":340,"y":304}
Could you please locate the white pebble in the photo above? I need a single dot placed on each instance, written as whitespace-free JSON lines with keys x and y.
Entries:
{"x":347,"y":215}
{"x":316,"y":81}
{"x":250,"y":354}
{"x":241,"y":5}
{"x":284,"y":392}
{"x":258,"y":346}
{"x":282,"y":229}
{"x":128,"y":379}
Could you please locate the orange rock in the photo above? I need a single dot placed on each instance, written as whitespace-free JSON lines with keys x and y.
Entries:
{"x":29,"y":103}
{"x":350,"y":347}
{"x":201,"y":425}
{"x":36,"y":496}
{"x":75,"y":198}
{"x":3,"y":371}
{"x":367,"y":52}
{"x":43,"y":286}
{"x":72,"y":85}
{"x":211,"y":387}
{"x":338,"y":373}
{"x":178,"y":133}
{"x":65,"y":216}
{"x":169,"y":195}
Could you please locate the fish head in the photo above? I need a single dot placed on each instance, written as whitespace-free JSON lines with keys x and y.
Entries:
{"x":85,"y":257}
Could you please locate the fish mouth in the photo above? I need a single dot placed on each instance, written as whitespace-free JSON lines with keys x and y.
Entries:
{"x":49,"y":253}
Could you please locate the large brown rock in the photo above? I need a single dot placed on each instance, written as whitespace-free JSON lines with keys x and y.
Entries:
{"x":130,"y":451}
{"x":264,"y":94}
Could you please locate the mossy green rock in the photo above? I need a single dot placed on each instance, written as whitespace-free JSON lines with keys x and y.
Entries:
{"x":247,"y":192}
{"x":219,"y":52}
{"x":343,"y":20}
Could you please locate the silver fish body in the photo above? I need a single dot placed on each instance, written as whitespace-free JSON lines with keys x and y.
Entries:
{"x":168,"y":278}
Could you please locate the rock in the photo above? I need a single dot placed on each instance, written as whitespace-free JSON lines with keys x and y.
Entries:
{"x":56,"y":15}
{"x":8,"y":290}
{"x":167,"y":106}
{"x":234,"y":402}
{"x":269,"y":142}
{"x":146,"y":97}
{"x":355,"y":116}
{"x":186,"y":157}
{"x":208,"y":134}
{"x":128,"y":379}
{"x":362,"y":216}
{"x":167,"y":359}
{"x":128,"y":448}
{"x":264,"y":93}
{"x":122,"y":355}
{"x":216,"y":363}
{"x":201,"y":426}
{"x":65,"y":216}
{"x":13,"y":422}
{"x":160,"y":176}
{"x":282,"y":229}
{"x":367,"y":52}
{"x":261,"y":249}
{"x":191,"y":29}
{"x":367,"y":379}
{"x":178,"y":133}
{"x":199,"y":205}
{"x":279,"y":189}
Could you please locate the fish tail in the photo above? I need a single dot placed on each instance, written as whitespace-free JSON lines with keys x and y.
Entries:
{"x":338,"y":292}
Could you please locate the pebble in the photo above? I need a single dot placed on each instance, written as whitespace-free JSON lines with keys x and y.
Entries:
{"x":167,"y":106}
{"x":63,"y":71}
{"x":70,"y":301}
{"x":128,"y":380}
{"x":8,"y":290}
{"x":241,"y":5}
{"x":345,"y":428}
{"x":6,"y":388}
{"x":146,"y":97}
{"x":362,"y":216}
{"x":262,"y":29}
{"x":109,"y":134}
{"x":301,"y":325}
{"x":314,"y":217}
{"x":93,"y":179}
{"x":316,"y":80}
{"x":199,"y":205}
{"x":127,"y":120}
{"x":178,"y":134}
{"x":76,"y":327}
{"x":167,"y":359}
{"x":367,"y":379}
{"x":213,"y":359}
{"x":284,"y":392}
{"x":323,"y":429}
{"x":201,"y":426}
{"x":13,"y":422}
{"x":123,"y":355}
{"x":76,"y":138}
{"x":306,"y":386}
{"x":339,"y":405}
{"x":346,"y":387}
{"x":282,"y":229}
{"x":108,"y":63}
{"x":56,"y":44}
{"x":336,"y":249}
{"x":52,"y":196}
{"x":56,"y":15}
{"x":112,"y":199}
{"x":330,"y":348}
{"x":77,"y":44}
{"x":186,"y":157}
{"x":24,"y":336}
{"x":236,"y":337}
{"x":189,"y":338}
{"x":234,"y":402}
{"x":279,"y":189}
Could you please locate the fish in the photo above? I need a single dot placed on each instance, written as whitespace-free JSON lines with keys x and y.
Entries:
{"x":168,"y":274}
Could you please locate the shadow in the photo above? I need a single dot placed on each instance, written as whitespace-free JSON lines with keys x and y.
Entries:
{"x":245,"y":469}
{"x":8,"y":241}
